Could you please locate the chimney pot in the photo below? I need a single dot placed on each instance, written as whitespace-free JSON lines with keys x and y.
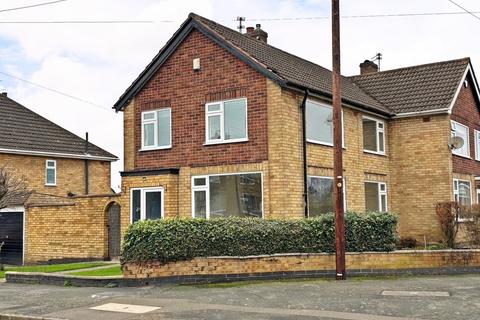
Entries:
{"x":367,"y":67}
{"x":250,"y":29}
{"x":258,"y":26}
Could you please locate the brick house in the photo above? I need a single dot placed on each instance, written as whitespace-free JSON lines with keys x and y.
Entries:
{"x":222,"y":123}
{"x":62,"y":170}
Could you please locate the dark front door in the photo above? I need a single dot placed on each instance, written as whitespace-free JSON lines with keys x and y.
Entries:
{"x":113,"y":231}
{"x":11,"y":236}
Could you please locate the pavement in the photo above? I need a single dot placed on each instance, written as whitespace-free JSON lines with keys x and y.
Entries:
{"x":436,"y":297}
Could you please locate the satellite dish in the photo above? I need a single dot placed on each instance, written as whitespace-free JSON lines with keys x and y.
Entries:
{"x":456,"y":142}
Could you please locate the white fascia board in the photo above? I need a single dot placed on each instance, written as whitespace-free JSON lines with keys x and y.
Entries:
{"x":56,"y":155}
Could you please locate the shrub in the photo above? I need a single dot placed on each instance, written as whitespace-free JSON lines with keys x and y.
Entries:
{"x":183,"y":239}
{"x":472,"y":224}
{"x":407,"y":242}
{"x":447,"y":213}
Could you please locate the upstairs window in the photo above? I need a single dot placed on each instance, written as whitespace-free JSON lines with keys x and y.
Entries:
{"x":373,"y":135}
{"x":226,"y":121}
{"x":157,"y":129}
{"x":376,"y":196}
{"x":319,"y":122}
{"x":51,"y":173}
{"x":477,"y":145}
{"x":460,"y":130}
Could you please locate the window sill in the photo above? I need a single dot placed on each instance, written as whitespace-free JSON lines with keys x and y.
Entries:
{"x":224,"y":142}
{"x":326,"y":144}
{"x":156,"y":148}
{"x":463,"y":156}
{"x":50,"y":185}
{"x":383,"y":154}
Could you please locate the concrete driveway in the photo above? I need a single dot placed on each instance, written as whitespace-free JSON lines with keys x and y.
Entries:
{"x":446,"y":297}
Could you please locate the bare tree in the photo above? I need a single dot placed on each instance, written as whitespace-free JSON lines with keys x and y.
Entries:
{"x":12,"y":189}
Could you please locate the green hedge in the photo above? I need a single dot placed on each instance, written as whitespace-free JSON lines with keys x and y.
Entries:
{"x":183,"y":239}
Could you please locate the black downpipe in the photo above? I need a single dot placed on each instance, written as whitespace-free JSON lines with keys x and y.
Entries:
{"x":87,"y":187}
{"x":304,"y":145}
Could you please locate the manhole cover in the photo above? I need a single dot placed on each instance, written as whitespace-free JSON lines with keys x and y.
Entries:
{"x":125,"y":308}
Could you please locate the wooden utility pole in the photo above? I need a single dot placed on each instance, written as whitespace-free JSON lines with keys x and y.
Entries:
{"x":337,"y":146}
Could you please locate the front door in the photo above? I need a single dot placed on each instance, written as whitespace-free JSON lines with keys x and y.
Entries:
{"x":113,"y":231}
{"x":11,"y":237}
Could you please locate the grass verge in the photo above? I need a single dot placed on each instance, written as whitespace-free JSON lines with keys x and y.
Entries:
{"x":104,"y":272}
{"x":53,"y":267}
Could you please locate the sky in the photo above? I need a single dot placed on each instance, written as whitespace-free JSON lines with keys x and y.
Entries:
{"x":96,"y":62}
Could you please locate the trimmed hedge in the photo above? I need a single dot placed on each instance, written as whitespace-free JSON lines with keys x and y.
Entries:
{"x":183,"y":239}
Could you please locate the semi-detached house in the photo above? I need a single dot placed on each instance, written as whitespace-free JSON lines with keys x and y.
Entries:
{"x":223,"y":124}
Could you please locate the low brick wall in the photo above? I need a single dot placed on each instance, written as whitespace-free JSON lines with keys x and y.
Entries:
{"x":397,"y":262}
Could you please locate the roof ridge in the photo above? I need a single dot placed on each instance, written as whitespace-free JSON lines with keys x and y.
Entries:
{"x":466,"y":59}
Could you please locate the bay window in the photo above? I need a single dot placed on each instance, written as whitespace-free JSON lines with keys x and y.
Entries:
{"x":227,"y":195}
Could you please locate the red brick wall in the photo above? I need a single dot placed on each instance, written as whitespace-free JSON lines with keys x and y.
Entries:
{"x":222,"y":76}
{"x":467,"y":111}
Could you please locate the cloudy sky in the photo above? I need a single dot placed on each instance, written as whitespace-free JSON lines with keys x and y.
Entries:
{"x":96,"y":62}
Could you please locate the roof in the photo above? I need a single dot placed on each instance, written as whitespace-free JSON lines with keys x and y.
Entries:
{"x":23,"y":131}
{"x":284,"y":68}
{"x":419,"y":88}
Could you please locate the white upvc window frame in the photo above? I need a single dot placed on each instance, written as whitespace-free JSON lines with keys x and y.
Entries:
{"x":477,"y":144}
{"x":331,"y":178}
{"x":453,"y":128}
{"x":381,"y":191}
{"x":54,"y":168}
{"x":221,"y":114}
{"x":143,"y":193}
{"x":325,"y":143}
{"x":378,"y":130}
{"x":154,"y":121}
{"x":206,"y":188}
{"x":456,"y":194}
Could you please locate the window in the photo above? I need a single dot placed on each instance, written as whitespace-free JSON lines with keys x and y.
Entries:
{"x":51,"y":173}
{"x":376,"y":196}
{"x":459,"y":130}
{"x":477,"y":145}
{"x":237,"y":195}
{"x":461,"y":192}
{"x":146,"y":204}
{"x":373,"y":135}
{"x":320,"y":195}
{"x":157,"y":129}
{"x":226,"y":121}
{"x":319,"y":122}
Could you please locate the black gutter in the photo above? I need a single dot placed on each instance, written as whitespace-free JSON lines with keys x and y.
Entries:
{"x":304,"y":146}
{"x":149,"y":172}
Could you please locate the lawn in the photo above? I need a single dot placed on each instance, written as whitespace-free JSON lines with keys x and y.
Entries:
{"x":53,"y":267}
{"x":104,"y":272}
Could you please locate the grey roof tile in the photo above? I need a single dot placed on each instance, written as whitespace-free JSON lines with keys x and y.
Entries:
{"x":24,"y":130}
{"x":418,"y":88}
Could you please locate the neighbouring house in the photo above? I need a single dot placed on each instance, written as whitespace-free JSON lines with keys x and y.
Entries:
{"x":69,"y":179}
{"x":222,"y":123}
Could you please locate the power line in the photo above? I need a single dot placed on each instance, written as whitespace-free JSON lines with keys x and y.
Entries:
{"x":81,"y":22}
{"x":464,"y":9}
{"x":56,"y":91}
{"x":32,"y":6}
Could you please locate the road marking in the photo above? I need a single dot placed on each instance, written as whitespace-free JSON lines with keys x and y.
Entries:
{"x":416,"y":293}
{"x":125,"y":308}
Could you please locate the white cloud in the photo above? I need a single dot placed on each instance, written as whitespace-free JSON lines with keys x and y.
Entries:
{"x":98,"y":62}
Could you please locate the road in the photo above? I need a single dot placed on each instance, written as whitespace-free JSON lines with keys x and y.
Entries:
{"x":439,"y":298}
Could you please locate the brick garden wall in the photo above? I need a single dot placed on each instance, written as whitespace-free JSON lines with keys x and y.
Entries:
{"x":63,"y":232}
{"x":278,"y":263}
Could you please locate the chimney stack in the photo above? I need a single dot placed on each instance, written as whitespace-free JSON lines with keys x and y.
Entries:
{"x":367,"y":67}
{"x":257,"y":33}
{"x":5,"y":93}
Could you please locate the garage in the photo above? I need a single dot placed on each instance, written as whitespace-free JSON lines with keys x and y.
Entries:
{"x":11,"y":235}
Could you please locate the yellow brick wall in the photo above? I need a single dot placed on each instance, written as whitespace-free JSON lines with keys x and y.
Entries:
{"x":70,"y":174}
{"x":304,"y":262}
{"x":421,"y":168}
{"x":128,"y":137}
{"x":76,"y":231}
